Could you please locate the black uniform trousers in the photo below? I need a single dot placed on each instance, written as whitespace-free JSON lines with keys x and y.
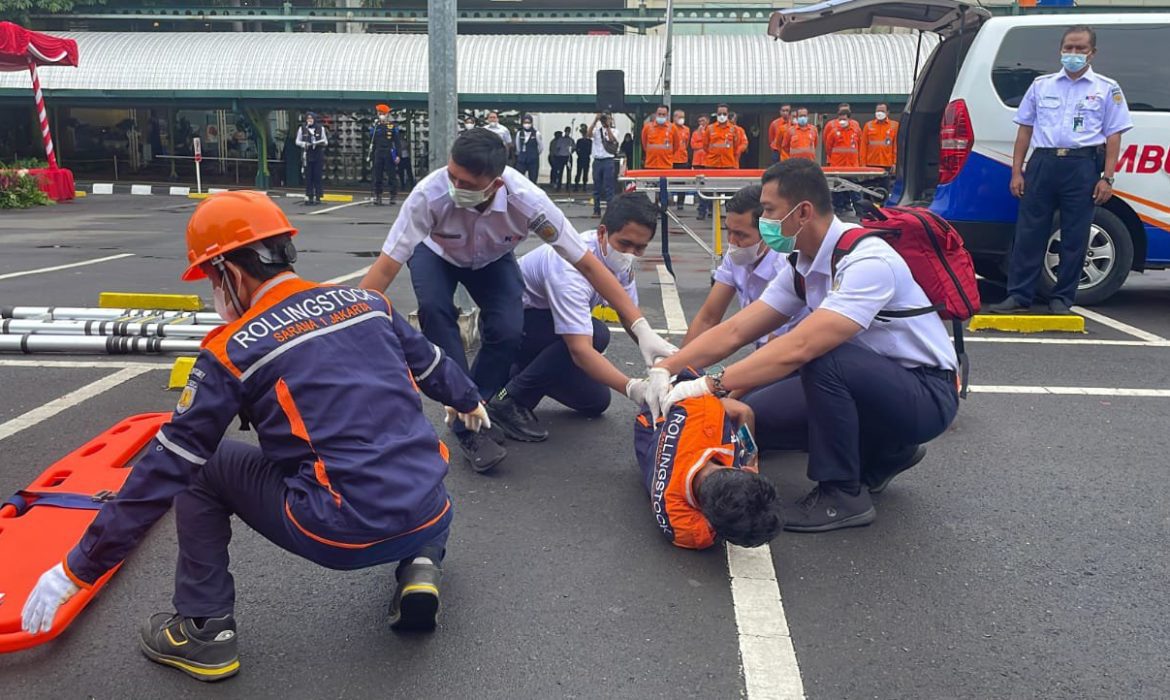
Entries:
{"x":544,"y":367}
{"x":582,"y":178}
{"x":384,"y":170}
{"x":559,"y":165}
{"x":1051,"y":184}
{"x":314,"y":177}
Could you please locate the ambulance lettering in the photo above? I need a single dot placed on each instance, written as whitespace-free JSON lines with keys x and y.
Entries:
{"x":1144,"y":159}
{"x":667,"y":445}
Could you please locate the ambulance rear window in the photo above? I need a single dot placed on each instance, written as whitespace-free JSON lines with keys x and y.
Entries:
{"x":1128,"y":54}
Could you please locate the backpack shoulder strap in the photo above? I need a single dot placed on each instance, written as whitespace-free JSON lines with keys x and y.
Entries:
{"x":848,"y":242}
{"x":797,"y":278}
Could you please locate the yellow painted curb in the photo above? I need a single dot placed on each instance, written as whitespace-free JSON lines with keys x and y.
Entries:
{"x":337,"y":198}
{"x":198,"y":195}
{"x":1026,"y":323}
{"x":78,"y":194}
{"x":142,"y":300}
{"x":606,"y":314}
{"x":179,"y":372}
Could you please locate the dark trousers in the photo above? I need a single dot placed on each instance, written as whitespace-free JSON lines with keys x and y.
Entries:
{"x":530,"y":167}
{"x":681,"y":199}
{"x":405,"y":173}
{"x":544,"y":367}
{"x":604,"y":181}
{"x":314,"y":178}
{"x":844,"y":201}
{"x":497,"y":289}
{"x":1053,"y":184}
{"x":852,"y":407}
{"x":239,"y":480}
{"x":559,"y":164}
{"x":582,"y":178}
{"x":384,"y":170}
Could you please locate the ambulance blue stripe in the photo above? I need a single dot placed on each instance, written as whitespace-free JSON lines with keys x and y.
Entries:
{"x":307,"y":336}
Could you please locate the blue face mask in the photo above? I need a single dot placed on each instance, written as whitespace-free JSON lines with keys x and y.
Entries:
{"x":1074,"y":62}
{"x":803,"y":121}
{"x":773,"y":235}
{"x":660,"y":120}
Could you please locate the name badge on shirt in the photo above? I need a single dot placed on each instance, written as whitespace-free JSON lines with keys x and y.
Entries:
{"x":544,"y":228}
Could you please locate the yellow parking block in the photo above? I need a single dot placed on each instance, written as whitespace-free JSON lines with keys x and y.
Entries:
{"x":198,"y":195}
{"x":337,"y":198}
{"x":143,"y":300}
{"x":77,"y":194}
{"x":1027,"y":323}
{"x":605,"y":314}
{"x":179,"y":372}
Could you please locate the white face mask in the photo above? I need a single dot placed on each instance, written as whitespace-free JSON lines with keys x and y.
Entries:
{"x":743,"y":255}
{"x":721,"y":118}
{"x":843,"y":122}
{"x":681,"y":121}
{"x":223,"y":305}
{"x":467,"y":199}
{"x":881,"y":116}
{"x":619,"y":263}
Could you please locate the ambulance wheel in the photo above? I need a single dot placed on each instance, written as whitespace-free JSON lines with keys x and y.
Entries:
{"x":1107,"y":260}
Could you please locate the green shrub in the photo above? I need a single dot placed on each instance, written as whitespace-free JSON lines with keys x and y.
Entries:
{"x":19,"y":190}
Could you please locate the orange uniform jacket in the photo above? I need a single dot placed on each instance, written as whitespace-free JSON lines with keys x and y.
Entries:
{"x":800,"y":142}
{"x":776,"y":131}
{"x":843,"y":145}
{"x":698,"y":149}
{"x":723,"y":143}
{"x":684,"y":137}
{"x":659,"y":143}
{"x":879,"y":143}
{"x":743,"y":144}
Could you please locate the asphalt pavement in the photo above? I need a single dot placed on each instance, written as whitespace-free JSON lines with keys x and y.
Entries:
{"x":1024,"y":558}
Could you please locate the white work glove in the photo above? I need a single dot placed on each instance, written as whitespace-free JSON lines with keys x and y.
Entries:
{"x":51,"y":592}
{"x":691,"y":389}
{"x":653,"y":346}
{"x":474,"y":421}
{"x":657,"y":390}
{"x":636,"y":391}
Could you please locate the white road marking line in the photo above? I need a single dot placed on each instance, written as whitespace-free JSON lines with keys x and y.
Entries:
{"x":84,"y":364}
{"x":1062,"y":341}
{"x":52,"y":408}
{"x":326,"y":210}
{"x":1072,"y":391}
{"x":1118,"y":325}
{"x":765,"y":646}
{"x":54,"y":268}
{"x":346,"y":278}
{"x":676,"y":320}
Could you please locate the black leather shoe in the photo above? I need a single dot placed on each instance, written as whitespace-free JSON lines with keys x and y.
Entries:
{"x":879,"y":478}
{"x":1057,"y":307}
{"x":518,"y":422}
{"x":480,"y":451}
{"x":828,"y":508}
{"x":206,"y":653}
{"x":415,"y":606}
{"x":1008,"y":306}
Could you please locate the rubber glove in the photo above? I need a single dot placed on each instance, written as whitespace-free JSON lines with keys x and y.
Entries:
{"x":653,"y":347}
{"x":657,"y":390}
{"x":691,"y":389}
{"x":50,"y":593}
{"x":474,"y":421}
{"x":636,"y":391}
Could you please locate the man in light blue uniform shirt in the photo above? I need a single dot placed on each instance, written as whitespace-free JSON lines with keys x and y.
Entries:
{"x":1067,"y":118}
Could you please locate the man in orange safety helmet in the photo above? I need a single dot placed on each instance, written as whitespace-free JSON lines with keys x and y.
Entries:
{"x":349,"y":472}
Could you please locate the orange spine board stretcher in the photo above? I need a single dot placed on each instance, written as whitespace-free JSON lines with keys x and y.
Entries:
{"x":41,"y":537}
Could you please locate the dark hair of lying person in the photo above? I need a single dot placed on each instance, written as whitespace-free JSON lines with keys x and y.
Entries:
{"x":747,"y":201}
{"x":629,"y":207}
{"x":741,"y":506}
{"x":799,"y":180}
{"x":280,"y":248}
{"x":481,"y":152}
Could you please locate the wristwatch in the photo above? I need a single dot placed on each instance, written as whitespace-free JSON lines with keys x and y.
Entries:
{"x":716,"y":378}
{"x":1109,"y":180}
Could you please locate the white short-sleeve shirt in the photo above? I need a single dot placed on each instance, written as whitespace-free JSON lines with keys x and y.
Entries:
{"x":599,"y":152}
{"x":870,"y":279}
{"x":467,"y":237}
{"x":552,"y":283}
{"x":750,"y":281}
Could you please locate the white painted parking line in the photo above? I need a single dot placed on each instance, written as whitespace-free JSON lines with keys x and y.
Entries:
{"x":676,"y":320}
{"x":52,"y":408}
{"x":326,"y":210}
{"x":1118,"y":325}
{"x":1072,"y":391}
{"x":765,"y":646}
{"x":345,"y":278}
{"x":84,"y":364}
{"x":1091,"y":342}
{"x":54,"y":268}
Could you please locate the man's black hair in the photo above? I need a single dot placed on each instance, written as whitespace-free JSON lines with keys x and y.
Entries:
{"x":630,"y":207}
{"x":724,"y":105}
{"x":279,"y":248}
{"x":1081,"y":29}
{"x":747,"y":201}
{"x":481,"y":152}
{"x":741,"y":506}
{"x":800,"y":179}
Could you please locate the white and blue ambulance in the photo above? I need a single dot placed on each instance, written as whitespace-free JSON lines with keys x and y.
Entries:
{"x":957,"y":132}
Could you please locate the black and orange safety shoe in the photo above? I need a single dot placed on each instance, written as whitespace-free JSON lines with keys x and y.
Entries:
{"x":206,"y":653}
{"x":415,"y":606}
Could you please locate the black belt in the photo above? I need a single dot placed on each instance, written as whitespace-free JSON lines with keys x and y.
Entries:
{"x":947,"y":374}
{"x":1086,"y":152}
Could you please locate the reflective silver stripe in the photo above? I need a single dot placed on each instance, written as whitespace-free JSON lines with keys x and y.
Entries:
{"x":434,"y":364}
{"x":307,"y":336}
{"x":165,"y":442}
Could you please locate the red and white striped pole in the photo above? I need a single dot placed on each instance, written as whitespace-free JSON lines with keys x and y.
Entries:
{"x":42,"y":114}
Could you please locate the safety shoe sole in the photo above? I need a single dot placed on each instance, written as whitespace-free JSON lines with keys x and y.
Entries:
{"x":200,"y":672}
{"x":859,"y":520}
{"x":418,"y":609}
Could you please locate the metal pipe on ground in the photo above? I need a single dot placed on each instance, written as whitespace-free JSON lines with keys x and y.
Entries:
{"x":103,"y":328}
{"x":110,"y":345}
{"x":86,"y":313}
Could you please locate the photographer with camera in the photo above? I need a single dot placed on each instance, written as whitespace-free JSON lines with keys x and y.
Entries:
{"x":606,"y":145}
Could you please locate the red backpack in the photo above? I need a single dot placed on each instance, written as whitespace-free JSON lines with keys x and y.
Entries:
{"x":937,"y":259}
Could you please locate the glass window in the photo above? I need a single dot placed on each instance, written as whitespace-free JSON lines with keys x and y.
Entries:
{"x":1129,"y":54}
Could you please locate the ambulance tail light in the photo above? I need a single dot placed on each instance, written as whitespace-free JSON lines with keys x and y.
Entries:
{"x":956,"y":139}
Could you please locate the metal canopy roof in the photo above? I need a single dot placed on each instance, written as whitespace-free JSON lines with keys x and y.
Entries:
{"x":492,"y":68}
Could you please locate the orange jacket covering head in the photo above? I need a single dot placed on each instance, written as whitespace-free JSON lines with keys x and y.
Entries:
{"x":879,"y":143}
{"x":723,"y":144}
{"x":659,"y":144}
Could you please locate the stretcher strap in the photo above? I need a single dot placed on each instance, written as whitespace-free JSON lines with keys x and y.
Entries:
{"x":23,"y":500}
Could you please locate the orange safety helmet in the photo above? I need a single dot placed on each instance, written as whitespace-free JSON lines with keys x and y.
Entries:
{"x":382,"y":109}
{"x":226,"y":221}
